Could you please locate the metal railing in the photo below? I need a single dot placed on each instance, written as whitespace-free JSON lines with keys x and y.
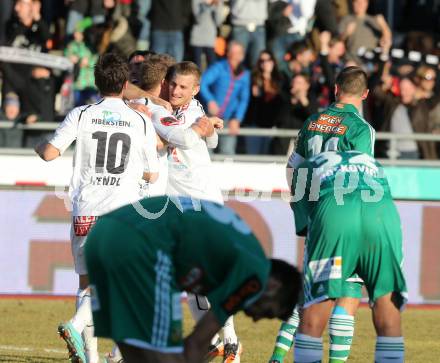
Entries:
{"x":393,"y":139}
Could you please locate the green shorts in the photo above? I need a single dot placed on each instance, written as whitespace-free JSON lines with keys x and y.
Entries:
{"x":135,"y":298}
{"x":354,"y":238}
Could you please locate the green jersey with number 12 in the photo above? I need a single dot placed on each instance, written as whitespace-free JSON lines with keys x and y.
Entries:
{"x":338,"y":128}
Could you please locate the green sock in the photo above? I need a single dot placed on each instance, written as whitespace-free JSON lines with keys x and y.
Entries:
{"x":285,"y":337}
{"x":341,"y":330}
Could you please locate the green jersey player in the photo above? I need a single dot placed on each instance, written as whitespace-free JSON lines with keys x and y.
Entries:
{"x":338,"y":128}
{"x":141,"y":256}
{"x":344,"y":203}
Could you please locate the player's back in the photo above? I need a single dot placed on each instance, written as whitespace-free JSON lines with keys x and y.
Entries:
{"x":338,"y":128}
{"x":201,"y":236}
{"x":335,"y":177}
{"x":113,"y":149}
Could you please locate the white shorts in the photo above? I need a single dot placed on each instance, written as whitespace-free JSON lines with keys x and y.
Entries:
{"x":78,"y":235}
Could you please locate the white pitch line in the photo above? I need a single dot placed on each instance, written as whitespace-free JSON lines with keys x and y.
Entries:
{"x":30,"y":349}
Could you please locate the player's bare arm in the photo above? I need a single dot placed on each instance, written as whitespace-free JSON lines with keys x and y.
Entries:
{"x":47,"y":151}
{"x":196,"y":344}
{"x":139,"y":107}
{"x":150,"y":177}
{"x":134,"y":92}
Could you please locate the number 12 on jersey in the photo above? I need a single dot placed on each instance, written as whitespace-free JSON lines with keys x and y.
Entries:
{"x":314,"y":145}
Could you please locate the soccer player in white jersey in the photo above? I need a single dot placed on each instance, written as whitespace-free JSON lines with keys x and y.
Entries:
{"x":115,"y":148}
{"x":190,"y":174}
{"x":150,"y":79}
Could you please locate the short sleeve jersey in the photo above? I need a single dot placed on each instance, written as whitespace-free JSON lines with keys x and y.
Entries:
{"x":213,"y":250}
{"x":190,"y":170}
{"x":158,"y":113}
{"x":329,"y":173}
{"x":115,"y":145}
{"x":338,"y":128}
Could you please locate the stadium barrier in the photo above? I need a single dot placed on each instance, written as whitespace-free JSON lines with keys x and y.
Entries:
{"x":35,"y":222}
{"x":35,"y":255}
{"x":392,"y":138}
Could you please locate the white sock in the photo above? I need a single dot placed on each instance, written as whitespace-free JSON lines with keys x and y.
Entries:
{"x":389,"y":349}
{"x":83,"y":315}
{"x":307,"y":349}
{"x":91,"y":344}
{"x":229,"y":335}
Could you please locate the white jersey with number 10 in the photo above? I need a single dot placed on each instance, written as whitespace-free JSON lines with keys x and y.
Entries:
{"x":115,"y":145}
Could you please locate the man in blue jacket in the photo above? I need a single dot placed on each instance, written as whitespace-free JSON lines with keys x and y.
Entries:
{"x":225,"y":89}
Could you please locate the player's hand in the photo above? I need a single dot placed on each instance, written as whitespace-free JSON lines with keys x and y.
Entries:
{"x":205,"y":126}
{"x":234,"y":127}
{"x":213,"y":108}
{"x":217,"y":122}
{"x":140,"y":108}
{"x":324,"y":38}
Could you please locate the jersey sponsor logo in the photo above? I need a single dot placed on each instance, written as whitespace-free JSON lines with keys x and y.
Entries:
{"x":328,"y":124}
{"x":170,"y":121}
{"x":247,"y":289}
{"x":82,"y":224}
{"x":110,"y":119}
{"x":326,"y":268}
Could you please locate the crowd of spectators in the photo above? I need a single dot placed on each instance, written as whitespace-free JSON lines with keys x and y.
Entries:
{"x":265,"y":63}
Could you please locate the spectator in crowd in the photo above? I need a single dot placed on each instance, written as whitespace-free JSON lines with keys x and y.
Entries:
{"x":84,"y":59}
{"x":402,"y":113}
{"x":326,"y":16}
{"x":361,"y":30}
{"x":144,"y":7}
{"x":11,"y":137}
{"x":401,"y":120}
{"x":299,"y":14}
{"x":331,"y":55}
{"x":298,"y":105}
{"x":81,"y":8}
{"x":425,"y":80}
{"x":265,"y":102}
{"x":6,"y":7}
{"x":168,"y":20}
{"x":33,"y":84}
{"x":225,"y":89}
{"x":248,"y":19}
{"x":299,"y":59}
{"x":208,"y":15}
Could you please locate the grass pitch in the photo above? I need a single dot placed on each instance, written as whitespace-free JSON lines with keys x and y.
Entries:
{"x":28,"y":333}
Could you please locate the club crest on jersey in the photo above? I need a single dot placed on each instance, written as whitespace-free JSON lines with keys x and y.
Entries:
{"x":328,"y":124}
{"x":170,"y":121}
{"x":109,"y":116}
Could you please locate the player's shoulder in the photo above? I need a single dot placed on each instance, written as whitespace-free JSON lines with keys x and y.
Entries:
{"x":76,"y":113}
{"x":196,"y":105}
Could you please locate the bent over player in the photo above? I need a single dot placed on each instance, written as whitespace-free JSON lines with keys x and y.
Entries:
{"x":136,"y":285}
{"x":115,"y":149}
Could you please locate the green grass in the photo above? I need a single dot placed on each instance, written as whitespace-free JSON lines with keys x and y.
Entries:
{"x":28,"y":334}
